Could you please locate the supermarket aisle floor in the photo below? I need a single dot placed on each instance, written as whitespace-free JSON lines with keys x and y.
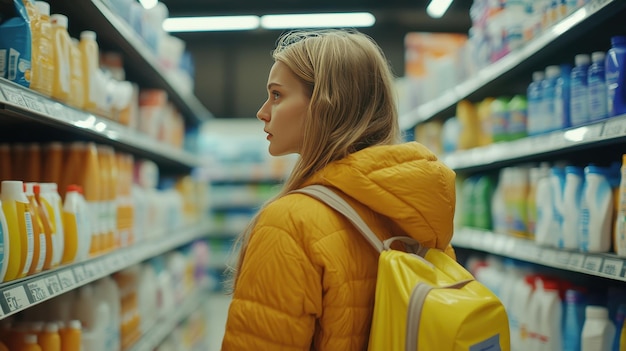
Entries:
{"x":217,"y":307}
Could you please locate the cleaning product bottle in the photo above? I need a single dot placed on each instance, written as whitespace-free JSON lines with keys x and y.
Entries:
{"x":483,"y":111}
{"x":598,"y":100}
{"x":548,"y":99}
{"x":572,"y":199}
{"x":61,"y":86}
{"x":107,"y":290}
{"x":579,"y":91}
{"x":535,"y":97}
{"x":4,"y":244}
{"x":598,"y":330}
{"x":39,"y":248}
{"x":50,"y":199}
{"x":71,"y":336}
{"x":76,"y":75}
{"x":557,"y":186}
{"x":562,"y":98}
{"x":596,"y":211}
{"x":518,"y":116}
{"x":483,"y":191}
{"x":44,"y":217}
{"x":15,"y":202}
{"x":620,"y":220}
{"x":49,"y":339}
{"x":616,"y":76}
{"x":574,"y":309}
{"x":551,"y":316}
{"x":500,"y":118}
{"x":90,"y":54}
{"x":73,"y":223}
{"x":42,"y":69}
{"x":13,"y":246}
{"x":544,"y":203}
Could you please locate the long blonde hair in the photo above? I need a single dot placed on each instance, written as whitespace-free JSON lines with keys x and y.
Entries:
{"x":352,"y":102}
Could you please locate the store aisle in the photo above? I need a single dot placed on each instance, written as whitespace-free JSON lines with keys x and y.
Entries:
{"x":217,"y":308}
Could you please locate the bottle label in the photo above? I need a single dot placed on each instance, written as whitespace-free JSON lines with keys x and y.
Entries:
{"x":30,"y":237}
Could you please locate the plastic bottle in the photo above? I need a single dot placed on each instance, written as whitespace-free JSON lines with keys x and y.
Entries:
{"x":544,"y":203}
{"x":596,"y":211}
{"x":620,"y":219}
{"x":535,"y":97}
{"x":50,"y":199}
{"x":579,"y":91}
{"x":598,"y":330}
{"x":90,"y":54}
{"x":94,"y":315}
{"x":61,"y":86}
{"x":483,"y":192}
{"x":598,"y":100}
{"x":533,"y":315}
{"x":616,"y":76}
{"x":548,"y":99}
{"x":500,"y":119}
{"x":40,"y":248}
{"x":551,"y":316}
{"x":470,"y":130}
{"x":30,"y":343}
{"x":42,"y":66}
{"x":44,"y":217}
{"x":467,"y":199}
{"x":93,"y":190}
{"x":15,"y":202}
{"x":572,"y":202}
{"x":619,"y":325}
{"x":574,"y":310}
{"x":483,"y":111}
{"x":4,"y":244}
{"x":49,"y":339}
{"x":77,"y":93}
{"x":557,"y":185}
{"x":71,"y":336}
{"x":107,"y":290}
{"x":562,"y":98}
{"x":518,"y":115}
{"x":52,"y":163}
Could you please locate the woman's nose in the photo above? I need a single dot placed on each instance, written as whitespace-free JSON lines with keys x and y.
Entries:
{"x":263,"y":113}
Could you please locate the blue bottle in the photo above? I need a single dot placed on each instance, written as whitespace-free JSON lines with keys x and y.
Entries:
{"x":562,"y":98}
{"x":534,"y":97}
{"x":615,"y":76}
{"x":579,"y":103}
{"x":573,"y":319}
{"x":548,"y":110}
{"x":598,"y":100}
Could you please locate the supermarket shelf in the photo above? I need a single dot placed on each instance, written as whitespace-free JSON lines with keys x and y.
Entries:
{"x":113,"y":30}
{"x":22,"y":103}
{"x":21,"y":294}
{"x":602,"y":265}
{"x":497,"y":154}
{"x":575,"y":24}
{"x":160,"y":329}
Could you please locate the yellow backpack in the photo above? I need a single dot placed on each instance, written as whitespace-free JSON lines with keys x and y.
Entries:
{"x":425,"y":300}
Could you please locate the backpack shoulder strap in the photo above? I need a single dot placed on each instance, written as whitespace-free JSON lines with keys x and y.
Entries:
{"x":330,"y":198}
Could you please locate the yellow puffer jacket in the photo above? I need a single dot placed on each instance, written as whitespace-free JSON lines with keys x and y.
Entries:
{"x":308,"y":277}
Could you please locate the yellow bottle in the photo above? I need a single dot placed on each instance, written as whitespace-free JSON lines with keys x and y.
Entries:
{"x":4,"y":244}
{"x":91,"y":64}
{"x":61,"y":58}
{"x":74,"y":223}
{"x":51,"y":200}
{"x":71,"y":336}
{"x":21,"y":238}
{"x":49,"y":339}
{"x":93,"y":184}
{"x":39,"y":242}
{"x":76,"y":75}
{"x":30,"y":343}
{"x":46,"y":224}
{"x":42,"y":65}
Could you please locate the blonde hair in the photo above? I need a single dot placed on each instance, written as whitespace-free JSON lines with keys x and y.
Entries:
{"x":352,"y":104}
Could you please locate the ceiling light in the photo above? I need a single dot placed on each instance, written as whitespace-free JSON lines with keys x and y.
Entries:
{"x":437,"y":8}
{"x":216,"y":23}
{"x":318,"y":20}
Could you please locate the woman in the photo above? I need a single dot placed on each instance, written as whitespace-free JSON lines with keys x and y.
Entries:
{"x":305,"y":279}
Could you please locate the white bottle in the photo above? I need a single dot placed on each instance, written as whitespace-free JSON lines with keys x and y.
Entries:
{"x":522,"y":294}
{"x":106,"y":290}
{"x":557,"y":186}
{"x":620,"y":221}
{"x":572,"y":198}
{"x":4,"y":244}
{"x":533,"y":316}
{"x":94,"y":314}
{"x":147,"y":291}
{"x":596,"y":211}
{"x":551,"y":317}
{"x":598,"y":330}
{"x":544,"y":203}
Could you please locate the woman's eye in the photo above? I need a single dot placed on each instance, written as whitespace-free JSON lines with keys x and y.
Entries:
{"x":276,"y":95}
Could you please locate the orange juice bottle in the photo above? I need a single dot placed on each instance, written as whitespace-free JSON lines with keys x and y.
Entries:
{"x":15,"y":206}
{"x":108,"y":175}
{"x":39,"y":242}
{"x":76,"y":75}
{"x":30,"y":343}
{"x":61,"y":41}
{"x":5,"y":162}
{"x":32,"y":170}
{"x":74,"y":158}
{"x":42,"y":66}
{"x":50,"y":340}
{"x":71,"y":336}
{"x":44,"y":216}
{"x":52,"y":163}
{"x":51,"y":201}
{"x":91,"y":64}
{"x":93,"y":190}
{"x":73,"y":224}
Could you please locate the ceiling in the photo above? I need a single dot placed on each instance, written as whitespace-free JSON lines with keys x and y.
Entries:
{"x":391,"y":15}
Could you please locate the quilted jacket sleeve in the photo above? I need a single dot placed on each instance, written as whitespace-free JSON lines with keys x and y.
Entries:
{"x":278,"y":295}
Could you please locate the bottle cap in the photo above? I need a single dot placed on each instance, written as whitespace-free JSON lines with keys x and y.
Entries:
{"x":52,"y":328}
{"x":538,"y":75}
{"x":12,"y":188}
{"x":59,"y":20}
{"x":43,"y":8}
{"x":618,"y":40}
{"x":598,"y":56}
{"x":74,"y":324}
{"x":582,"y":59}
{"x":88,"y":35}
{"x":74,"y":188}
{"x":600,"y":312}
{"x":553,"y":71}
{"x":30,"y":339}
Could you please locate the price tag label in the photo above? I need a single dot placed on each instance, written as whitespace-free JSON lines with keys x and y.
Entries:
{"x":593,"y":264}
{"x":563,"y":258}
{"x":576,"y":261}
{"x":34,"y":104}
{"x":548,"y":256}
{"x":14,"y":96}
{"x":67,"y":280}
{"x":79,"y":274}
{"x":15,"y":298}
{"x":38,"y":290}
{"x":614,"y":127}
{"x":53,"y":284}
{"x":613,"y":267}
{"x":556,"y":141}
{"x":594,"y":131}
{"x":90,"y":270}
